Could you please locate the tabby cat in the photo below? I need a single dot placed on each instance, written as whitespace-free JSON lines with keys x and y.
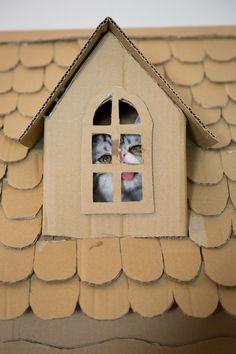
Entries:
{"x":130,"y":153}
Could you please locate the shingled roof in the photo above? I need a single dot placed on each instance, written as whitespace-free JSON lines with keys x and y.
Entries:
{"x":147,"y":275}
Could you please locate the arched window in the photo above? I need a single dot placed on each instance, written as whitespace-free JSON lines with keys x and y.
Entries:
{"x":117,"y":155}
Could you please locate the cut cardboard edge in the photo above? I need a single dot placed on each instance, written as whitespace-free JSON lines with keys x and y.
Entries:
{"x":34,"y":130}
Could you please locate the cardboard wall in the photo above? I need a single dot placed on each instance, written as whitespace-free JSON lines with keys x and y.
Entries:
{"x":172,"y":333}
{"x":110,"y":65}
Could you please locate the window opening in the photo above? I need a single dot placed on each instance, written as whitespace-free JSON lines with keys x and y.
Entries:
{"x":131,"y":149}
{"x":102,"y":148}
{"x":103,"y":114}
{"x":131,"y":186}
{"x":117,"y":155}
{"x":128,"y":114}
{"x":102,"y":187}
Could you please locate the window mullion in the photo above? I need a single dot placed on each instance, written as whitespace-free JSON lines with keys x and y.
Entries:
{"x":115,"y":149}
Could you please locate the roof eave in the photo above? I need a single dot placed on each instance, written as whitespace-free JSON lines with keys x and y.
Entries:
{"x":34,"y":130}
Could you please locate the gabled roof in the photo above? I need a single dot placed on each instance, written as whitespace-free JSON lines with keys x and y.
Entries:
{"x":196,"y":62}
{"x":34,"y":130}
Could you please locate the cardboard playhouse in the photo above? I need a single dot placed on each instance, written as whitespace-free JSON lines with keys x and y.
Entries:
{"x":148,"y":275}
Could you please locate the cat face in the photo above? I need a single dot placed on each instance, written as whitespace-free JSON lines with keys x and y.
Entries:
{"x":130,"y":149}
{"x":102,"y":148}
{"x":130,"y":153}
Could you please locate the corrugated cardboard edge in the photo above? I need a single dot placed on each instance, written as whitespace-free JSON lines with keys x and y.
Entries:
{"x":34,"y":130}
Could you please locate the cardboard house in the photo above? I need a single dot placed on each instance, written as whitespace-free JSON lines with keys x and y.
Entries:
{"x":152,"y":275}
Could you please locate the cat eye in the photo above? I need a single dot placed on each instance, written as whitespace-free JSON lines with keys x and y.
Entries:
{"x":106,"y":158}
{"x":136,"y":149}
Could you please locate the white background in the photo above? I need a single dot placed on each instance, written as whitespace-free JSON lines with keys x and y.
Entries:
{"x":55,"y":14}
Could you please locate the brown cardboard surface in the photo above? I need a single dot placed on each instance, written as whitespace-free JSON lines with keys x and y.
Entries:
{"x":208,"y":199}
{"x":65,"y":52}
{"x":228,"y":299}
{"x":62,"y":297}
{"x":203,"y":166}
{"x":93,"y":257}
{"x":5,"y":81}
{"x":27,"y":80}
{"x":206,"y":231}
{"x":144,"y":129}
{"x":55,"y":260}
{"x":132,"y":345}
{"x":28,"y":173}
{"x":19,"y":233}
{"x":229,"y":112}
{"x":226,"y":74}
{"x":232,"y":192}
{"x":169,"y":217}
{"x":27,"y":203}
{"x":9,"y":56}
{"x":209,"y":115}
{"x":141,"y":259}
{"x":105,"y":302}
{"x":2,"y":169}
{"x":16,"y":264}
{"x":223,"y":131}
{"x":173,"y":329}
{"x":156,"y":51}
{"x":228,"y":156}
{"x":220,"y":33}
{"x":210,"y":231}
{"x":218,"y":98}
{"x":224,"y":275}
{"x":184,"y":74}
{"x":199,"y":299}
{"x":220,"y":50}
{"x":36,"y":54}
{"x":53,"y":73}
{"x":14,"y":299}
{"x":233,"y":133}
{"x":184,"y":92}
{"x":8,"y":102}
{"x":200,"y":131}
{"x":188,"y":50}
{"x":151,"y":300}
{"x":15,"y":124}
{"x":10,"y":150}
{"x":234,"y":222}
{"x":190,"y":256}
{"x":28,"y":104}
{"x":231,"y":90}
{"x":1,"y":121}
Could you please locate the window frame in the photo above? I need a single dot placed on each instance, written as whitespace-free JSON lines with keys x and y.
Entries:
{"x":115,"y":129}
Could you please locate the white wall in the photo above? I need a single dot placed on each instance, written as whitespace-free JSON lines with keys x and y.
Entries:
{"x":52,"y":14}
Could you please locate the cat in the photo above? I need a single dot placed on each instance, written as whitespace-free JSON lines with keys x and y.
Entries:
{"x":130,"y":153}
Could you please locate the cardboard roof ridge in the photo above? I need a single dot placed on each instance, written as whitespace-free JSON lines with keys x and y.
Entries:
{"x":184,"y":32}
{"x":34,"y":130}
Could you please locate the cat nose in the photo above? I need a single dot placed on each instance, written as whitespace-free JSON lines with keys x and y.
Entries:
{"x":122,"y":155}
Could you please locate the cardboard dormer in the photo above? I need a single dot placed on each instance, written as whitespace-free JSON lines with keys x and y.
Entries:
{"x":108,"y":75}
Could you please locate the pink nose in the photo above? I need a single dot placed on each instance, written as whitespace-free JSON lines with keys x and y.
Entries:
{"x":122,"y":155}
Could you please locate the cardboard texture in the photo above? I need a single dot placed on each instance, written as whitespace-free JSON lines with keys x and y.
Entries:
{"x":8,"y":102}
{"x":200,"y":131}
{"x":10,"y":150}
{"x":111,"y":278}
{"x":169,"y":216}
{"x":27,"y":202}
{"x":28,"y":105}
{"x":141,"y":259}
{"x":33,"y":55}
{"x":13,"y":130}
